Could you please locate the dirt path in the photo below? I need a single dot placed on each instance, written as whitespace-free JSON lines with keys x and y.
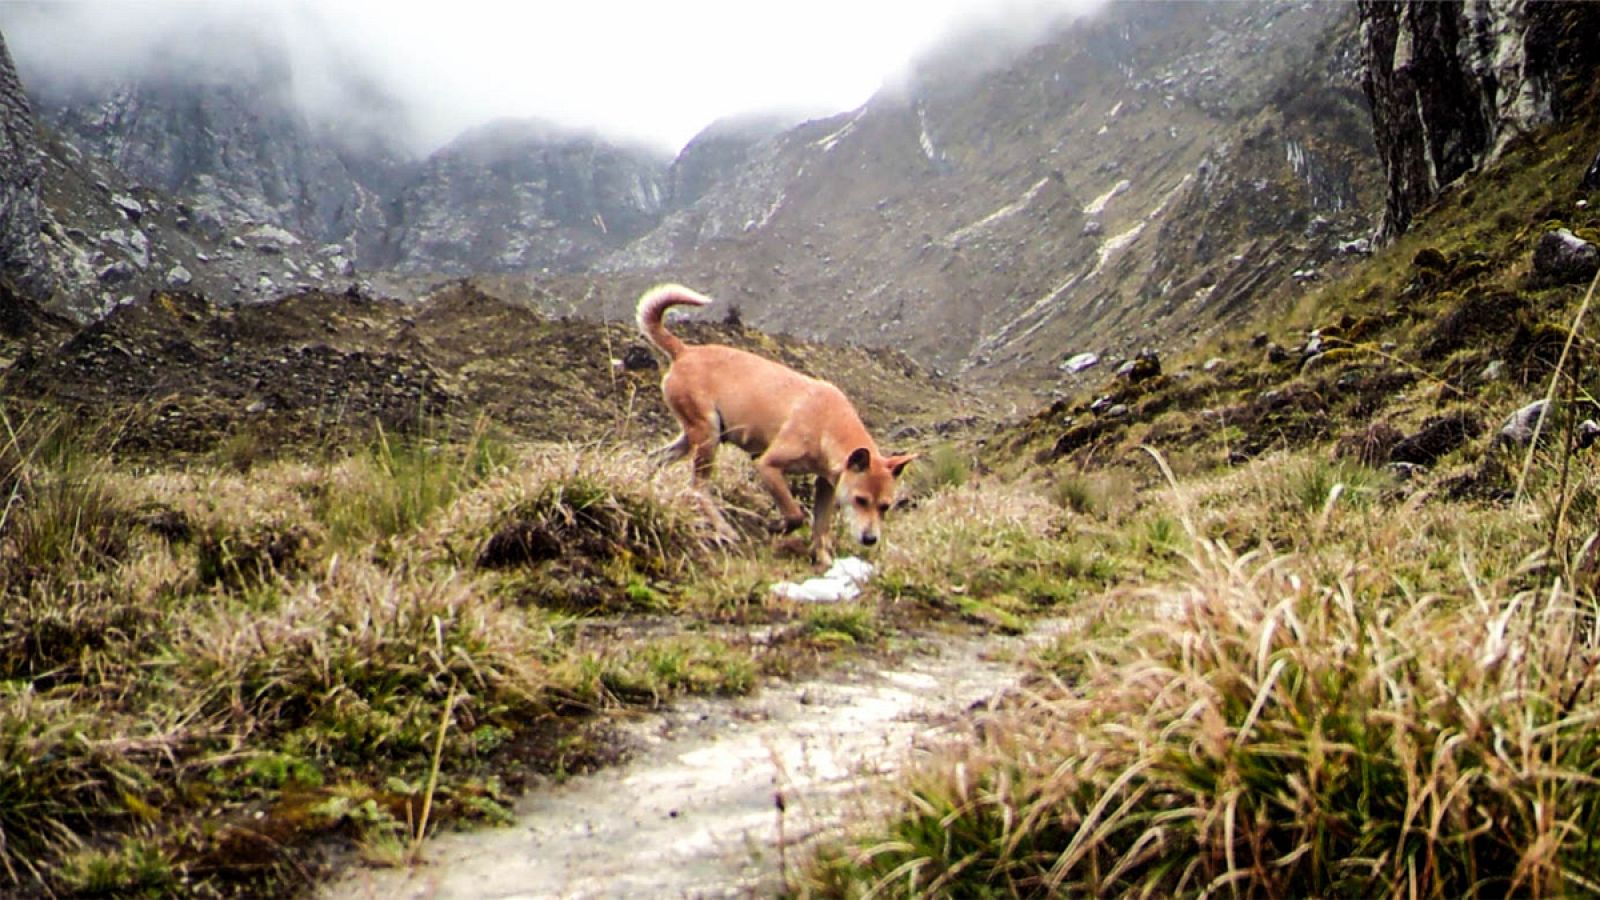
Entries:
{"x":694,"y":813}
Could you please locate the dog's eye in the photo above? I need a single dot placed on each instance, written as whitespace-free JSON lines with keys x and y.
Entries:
{"x":862,"y":502}
{"x":883,"y":507}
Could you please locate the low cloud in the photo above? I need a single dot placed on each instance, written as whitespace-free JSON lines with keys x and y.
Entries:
{"x":425,"y":72}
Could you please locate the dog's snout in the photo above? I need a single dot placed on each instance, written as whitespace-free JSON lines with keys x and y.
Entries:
{"x":869,"y":539}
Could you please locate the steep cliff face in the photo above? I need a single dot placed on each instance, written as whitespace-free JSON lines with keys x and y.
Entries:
{"x":1451,"y":83}
{"x":519,"y":195}
{"x":22,"y":256}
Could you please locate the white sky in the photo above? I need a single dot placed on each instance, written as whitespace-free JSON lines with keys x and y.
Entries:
{"x":651,"y":71}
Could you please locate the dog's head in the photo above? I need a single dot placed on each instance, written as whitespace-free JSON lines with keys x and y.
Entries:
{"x":866,"y":490}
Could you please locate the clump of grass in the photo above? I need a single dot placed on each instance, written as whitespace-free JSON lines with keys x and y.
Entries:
{"x":588,"y":543}
{"x":60,"y":515}
{"x":133,"y":868}
{"x":988,"y":551}
{"x":1265,"y":732}
{"x":1105,"y":494}
{"x":944,"y":466}
{"x":353,"y":667}
{"x":843,"y":623}
{"x":652,"y":673}
{"x":397,"y":483}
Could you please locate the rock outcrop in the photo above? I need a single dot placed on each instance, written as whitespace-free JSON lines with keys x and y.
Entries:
{"x":1450,"y":83}
{"x":517,"y":195}
{"x":22,"y":255}
{"x":229,"y":138}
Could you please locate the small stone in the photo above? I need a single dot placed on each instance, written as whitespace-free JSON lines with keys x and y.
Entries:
{"x":1588,"y":433}
{"x":1080,"y":362}
{"x":1519,"y":428}
{"x":1406,"y":471}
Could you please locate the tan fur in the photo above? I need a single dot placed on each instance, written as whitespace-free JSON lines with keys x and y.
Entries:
{"x":791,"y":423}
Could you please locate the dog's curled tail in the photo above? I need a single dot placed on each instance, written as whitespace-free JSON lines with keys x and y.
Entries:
{"x":653,"y":306}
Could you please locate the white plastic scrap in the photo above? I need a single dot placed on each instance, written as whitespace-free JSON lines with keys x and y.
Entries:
{"x":840,"y":583}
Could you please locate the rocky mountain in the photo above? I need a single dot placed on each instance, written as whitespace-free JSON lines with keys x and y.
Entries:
{"x":1134,"y":180}
{"x":1452,"y":84}
{"x":230,"y":140}
{"x":217,"y":125}
{"x":717,"y":152}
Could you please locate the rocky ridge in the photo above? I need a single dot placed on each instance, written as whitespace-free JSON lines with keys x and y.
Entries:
{"x":187,"y":374}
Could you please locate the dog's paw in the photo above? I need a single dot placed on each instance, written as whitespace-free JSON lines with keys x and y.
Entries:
{"x":785,"y":526}
{"x":822,"y":558}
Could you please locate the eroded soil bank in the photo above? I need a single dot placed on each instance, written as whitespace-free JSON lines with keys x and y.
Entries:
{"x":695,"y":813}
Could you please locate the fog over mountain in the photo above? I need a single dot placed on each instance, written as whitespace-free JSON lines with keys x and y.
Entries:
{"x":655,"y":74}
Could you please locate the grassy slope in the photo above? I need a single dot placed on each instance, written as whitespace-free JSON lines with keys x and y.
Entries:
{"x":1324,"y":675}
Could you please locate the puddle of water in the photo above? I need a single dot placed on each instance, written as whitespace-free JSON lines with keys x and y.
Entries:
{"x":695,"y":812}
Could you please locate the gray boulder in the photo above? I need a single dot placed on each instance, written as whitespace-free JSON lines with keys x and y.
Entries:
{"x":1562,"y":257}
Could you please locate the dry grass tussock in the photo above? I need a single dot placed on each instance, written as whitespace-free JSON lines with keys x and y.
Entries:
{"x":1400,"y":698}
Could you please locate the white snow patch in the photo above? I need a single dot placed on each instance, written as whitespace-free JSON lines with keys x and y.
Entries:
{"x":1004,"y":212}
{"x":826,"y":143}
{"x":1098,"y":205}
{"x":766,"y":217}
{"x":923,"y":137}
{"x":1116,"y":244}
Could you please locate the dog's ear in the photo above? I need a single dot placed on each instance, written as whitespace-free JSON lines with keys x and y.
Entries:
{"x":896,"y":463}
{"x":860,"y":459}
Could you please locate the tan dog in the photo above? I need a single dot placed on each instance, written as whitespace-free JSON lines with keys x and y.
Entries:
{"x":790,"y":423}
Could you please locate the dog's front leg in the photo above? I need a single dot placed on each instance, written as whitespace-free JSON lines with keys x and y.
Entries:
{"x":777,"y":485}
{"x":822,"y":523}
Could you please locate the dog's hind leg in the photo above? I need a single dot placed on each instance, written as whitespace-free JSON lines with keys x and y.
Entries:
{"x":671,"y":453}
{"x":702,"y":441}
